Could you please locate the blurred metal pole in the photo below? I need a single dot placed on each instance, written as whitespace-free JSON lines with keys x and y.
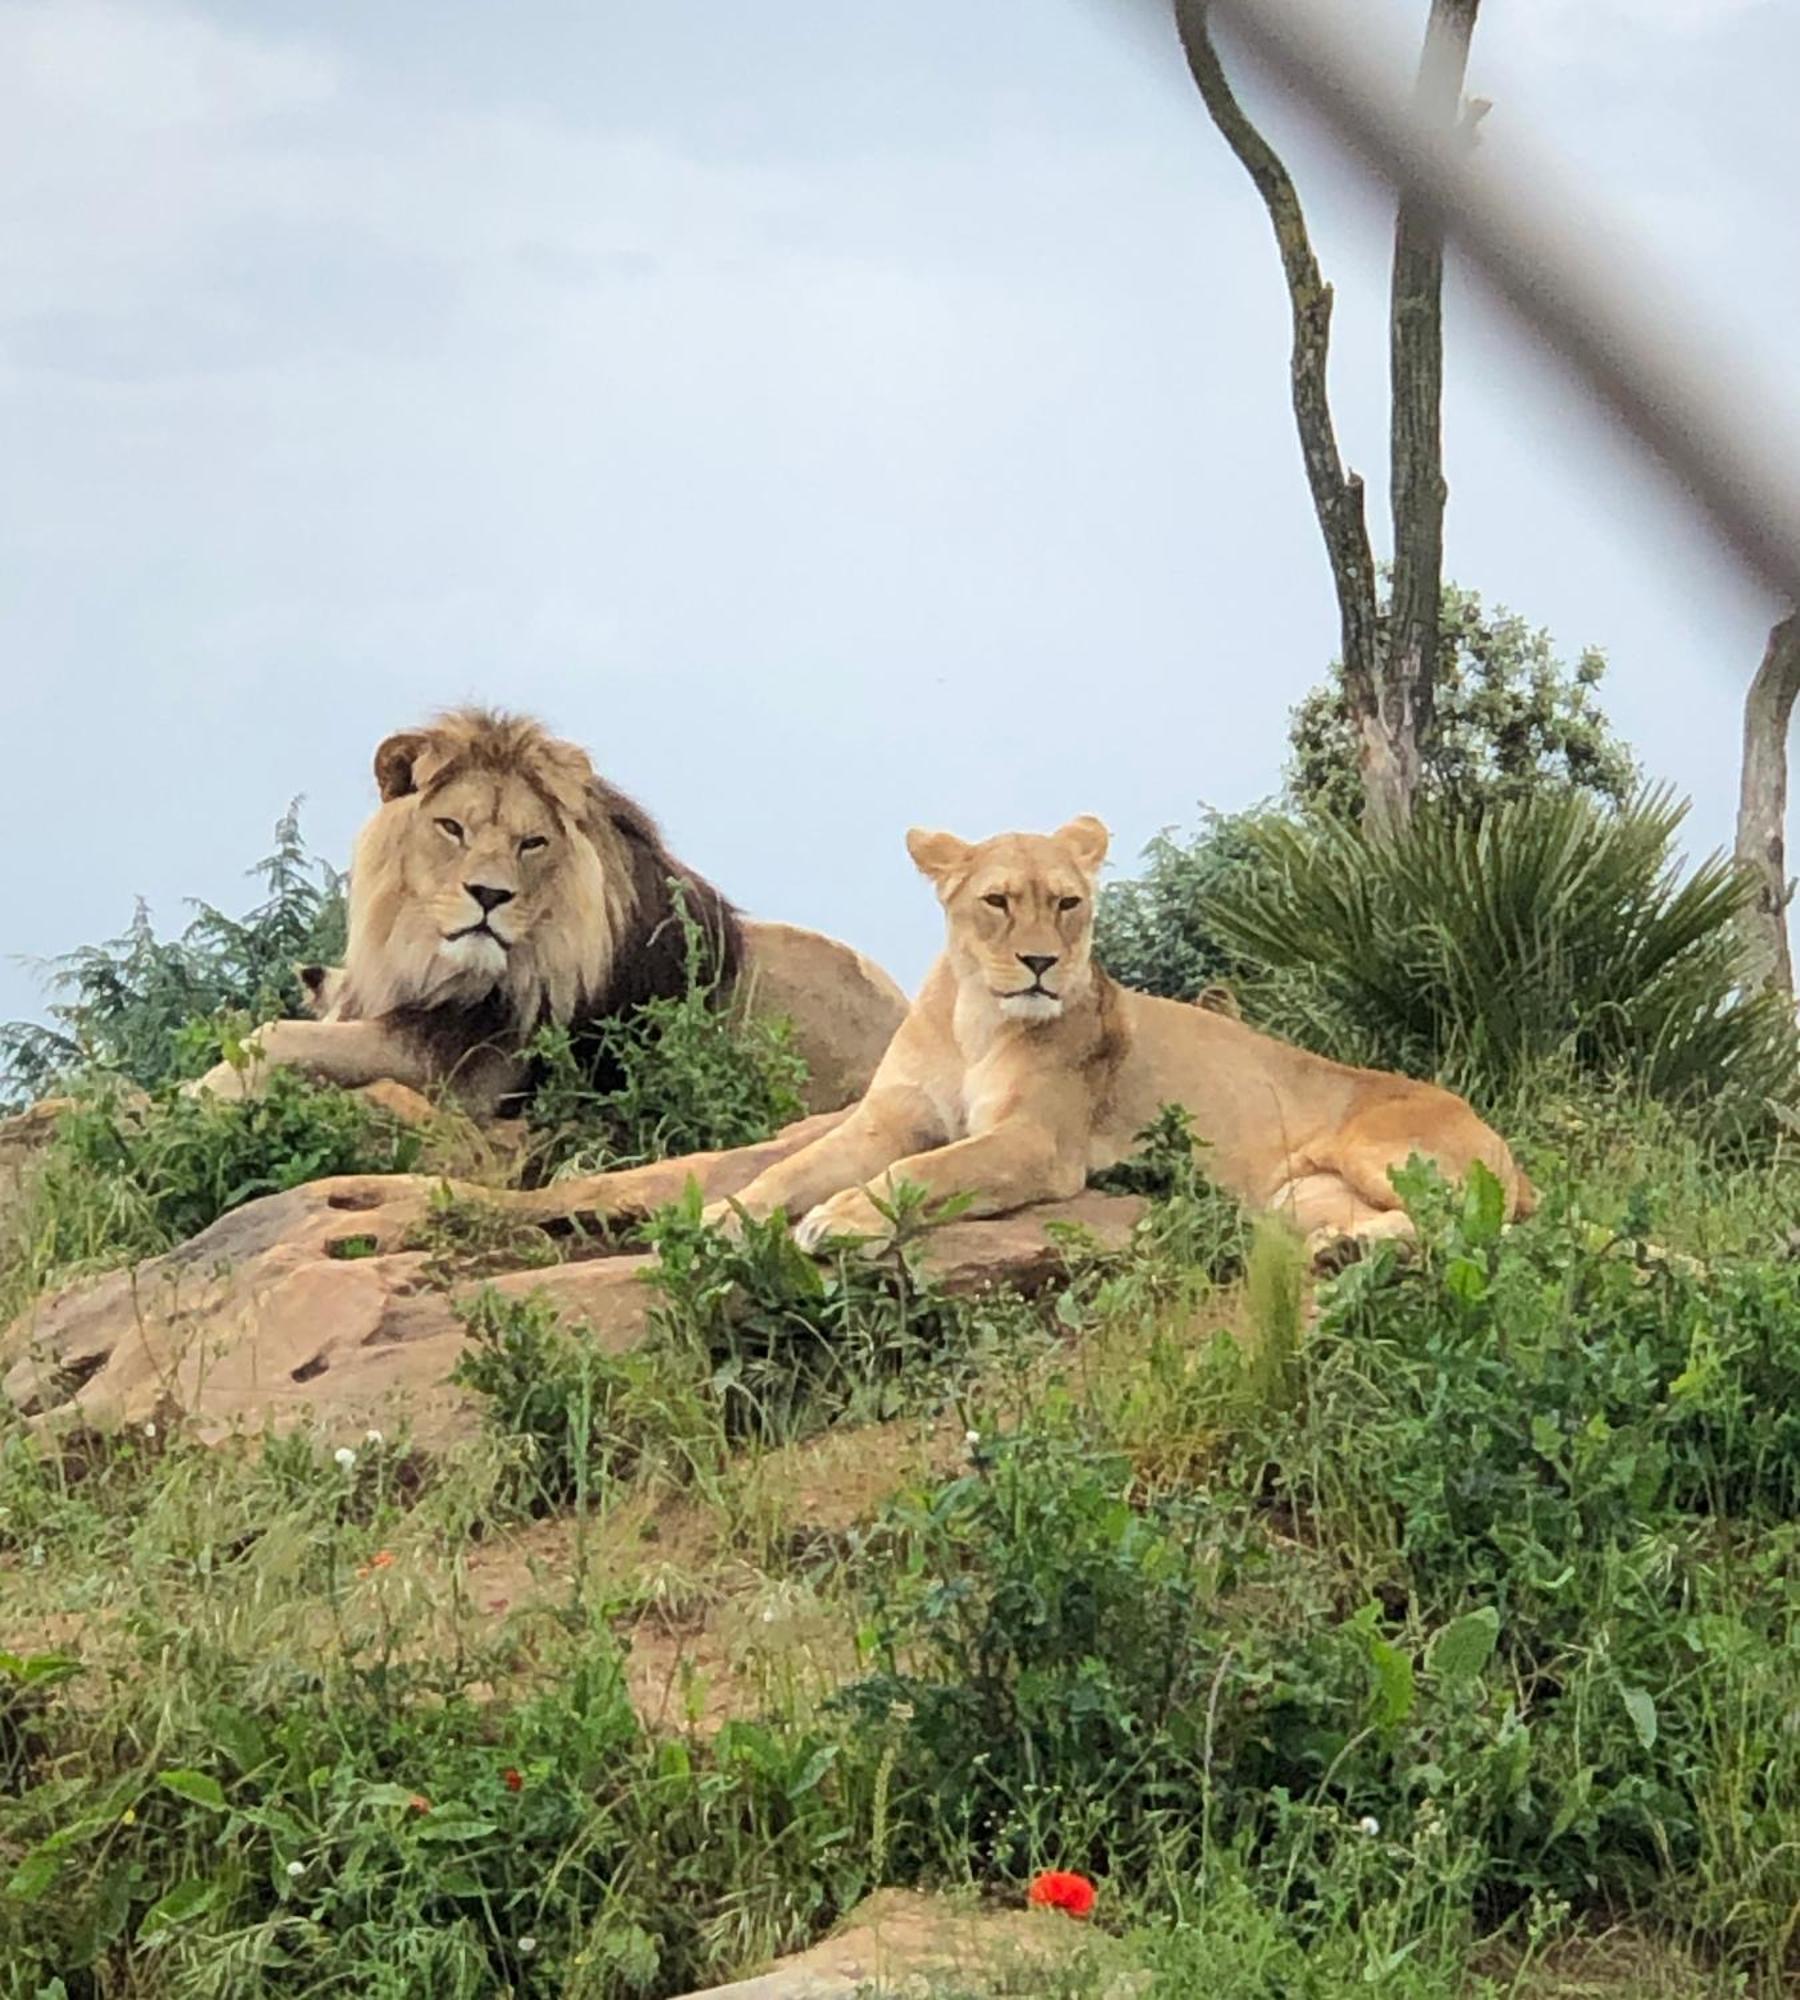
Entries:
{"x":1560,"y":275}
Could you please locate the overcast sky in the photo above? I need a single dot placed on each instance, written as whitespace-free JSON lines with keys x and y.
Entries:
{"x":836,"y":417}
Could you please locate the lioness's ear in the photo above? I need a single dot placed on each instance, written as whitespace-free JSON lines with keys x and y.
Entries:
{"x":1087,"y":839}
{"x":395,"y":761}
{"x":936,"y":854}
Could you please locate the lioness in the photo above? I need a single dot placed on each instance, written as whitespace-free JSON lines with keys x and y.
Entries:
{"x":1022,"y":1067}
{"x":502,"y":885}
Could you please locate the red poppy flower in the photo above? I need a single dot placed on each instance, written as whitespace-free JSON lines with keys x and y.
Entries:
{"x":511,"y":1780}
{"x":1058,"y":1889}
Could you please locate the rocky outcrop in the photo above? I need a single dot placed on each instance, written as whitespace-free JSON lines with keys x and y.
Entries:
{"x":324,"y":1305}
{"x":896,"y":1942}
{"x":842,"y":1007}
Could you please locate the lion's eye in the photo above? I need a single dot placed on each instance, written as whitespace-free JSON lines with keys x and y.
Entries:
{"x":1068,"y":902}
{"x":995,"y":902}
{"x":532,"y":842}
{"x":452,"y":827}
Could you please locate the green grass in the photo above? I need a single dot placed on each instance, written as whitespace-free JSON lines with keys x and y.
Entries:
{"x":1423,"y":1642}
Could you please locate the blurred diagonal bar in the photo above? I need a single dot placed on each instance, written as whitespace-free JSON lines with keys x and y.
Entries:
{"x":1556,"y":270}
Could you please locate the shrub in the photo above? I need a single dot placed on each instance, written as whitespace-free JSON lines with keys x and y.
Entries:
{"x":1550,"y":935}
{"x":123,"y":1004}
{"x":1510,"y":722}
{"x":376,"y":1829}
{"x":126,"y":1178}
{"x":1156,"y":933}
{"x":1592,"y":1447}
{"x":681,"y":1075}
{"x":749,"y":1339}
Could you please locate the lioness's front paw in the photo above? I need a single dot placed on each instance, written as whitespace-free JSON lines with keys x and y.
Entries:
{"x":851,"y":1213}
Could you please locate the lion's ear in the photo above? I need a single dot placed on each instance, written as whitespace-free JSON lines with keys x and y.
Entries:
{"x":395,"y":762}
{"x":1087,"y":839}
{"x":936,"y":854}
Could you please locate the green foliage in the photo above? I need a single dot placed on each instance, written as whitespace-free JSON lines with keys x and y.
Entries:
{"x":123,"y":1005}
{"x":1485,"y":1600}
{"x":1043,"y":1660}
{"x":1194,"y":1226}
{"x":1512,"y":722}
{"x":677,"y":1075}
{"x":1155,"y":934}
{"x":126,"y":1177}
{"x":1552,"y":934}
{"x":575,"y":1417}
{"x":750,"y":1340}
{"x":379,"y":1831}
{"x":1574,"y":1460}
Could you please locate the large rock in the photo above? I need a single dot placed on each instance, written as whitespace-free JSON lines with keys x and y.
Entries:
{"x":896,"y":1942}
{"x":319,"y":1305}
{"x":843,"y":1007}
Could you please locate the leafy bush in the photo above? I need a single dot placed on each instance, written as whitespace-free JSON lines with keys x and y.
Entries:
{"x":379,"y":1830}
{"x":1594,"y":1445}
{"x":577,"y":1417}
{"x":681,"y":1075}
{"x":749,"y":1338}
{"x":127,"y":1177}
{"x":1156,"y":933}
{"x":125,"y":1003}
{"x":1511,"y":722}
{"x":1549,"y":935}
{"x":1489,"y":1601}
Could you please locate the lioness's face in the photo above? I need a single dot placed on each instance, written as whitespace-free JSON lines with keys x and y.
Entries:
{"x":1020,"y":911}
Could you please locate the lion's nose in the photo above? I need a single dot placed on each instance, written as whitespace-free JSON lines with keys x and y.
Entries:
{"x":1037,"y":963}
{"x":488,"y":897}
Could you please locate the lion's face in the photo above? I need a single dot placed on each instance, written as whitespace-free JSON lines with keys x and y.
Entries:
{"x":1020,"y":911}
{"x":478,"y":877}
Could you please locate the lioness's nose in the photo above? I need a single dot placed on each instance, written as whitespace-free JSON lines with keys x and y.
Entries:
{"x":1037,"y":963}
{"x":488,"y":897}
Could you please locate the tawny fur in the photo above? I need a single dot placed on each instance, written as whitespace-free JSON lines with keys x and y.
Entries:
{"x":500,"y":886}
{"x":1022,"y":1068}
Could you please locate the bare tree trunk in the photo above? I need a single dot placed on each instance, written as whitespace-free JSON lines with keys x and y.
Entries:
{"x":1395,"y":733}
{"x":1762,"y":806}
{"x":1390,"y":679}
{"x":1337,"y":495}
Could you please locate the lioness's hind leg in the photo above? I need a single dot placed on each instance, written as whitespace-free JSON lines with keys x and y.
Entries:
{"x":1334,"y":1220}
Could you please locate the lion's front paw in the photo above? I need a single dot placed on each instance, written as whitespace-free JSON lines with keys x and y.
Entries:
{"x":851,"y":1213}
{"x":230,"y":1083}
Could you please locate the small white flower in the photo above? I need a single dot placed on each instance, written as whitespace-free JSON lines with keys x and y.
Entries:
{"x":150,"y":1430}
{"x":1368,"y":1824}
{"x":769,"y":1614}
{"x":971,"y":1439}
{"x":295,"y":1870}
{"x":371,"y":1437}
{"x":344,"y":1456}
{"x":527,"y":1945}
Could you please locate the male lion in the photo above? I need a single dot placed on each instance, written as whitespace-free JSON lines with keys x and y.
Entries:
{"x":1022,"y":1067}
{"x":500,"y":886}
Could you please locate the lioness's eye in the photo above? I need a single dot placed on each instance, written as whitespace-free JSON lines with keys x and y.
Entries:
{"x":1068,"y":902}
{"x":532,"y":842}
{"x":995,"y":902}
{"x":452,"y":827}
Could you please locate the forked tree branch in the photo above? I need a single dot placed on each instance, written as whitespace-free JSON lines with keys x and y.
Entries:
{"x":1416,"y":374}
{"x":1337,"y":495}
